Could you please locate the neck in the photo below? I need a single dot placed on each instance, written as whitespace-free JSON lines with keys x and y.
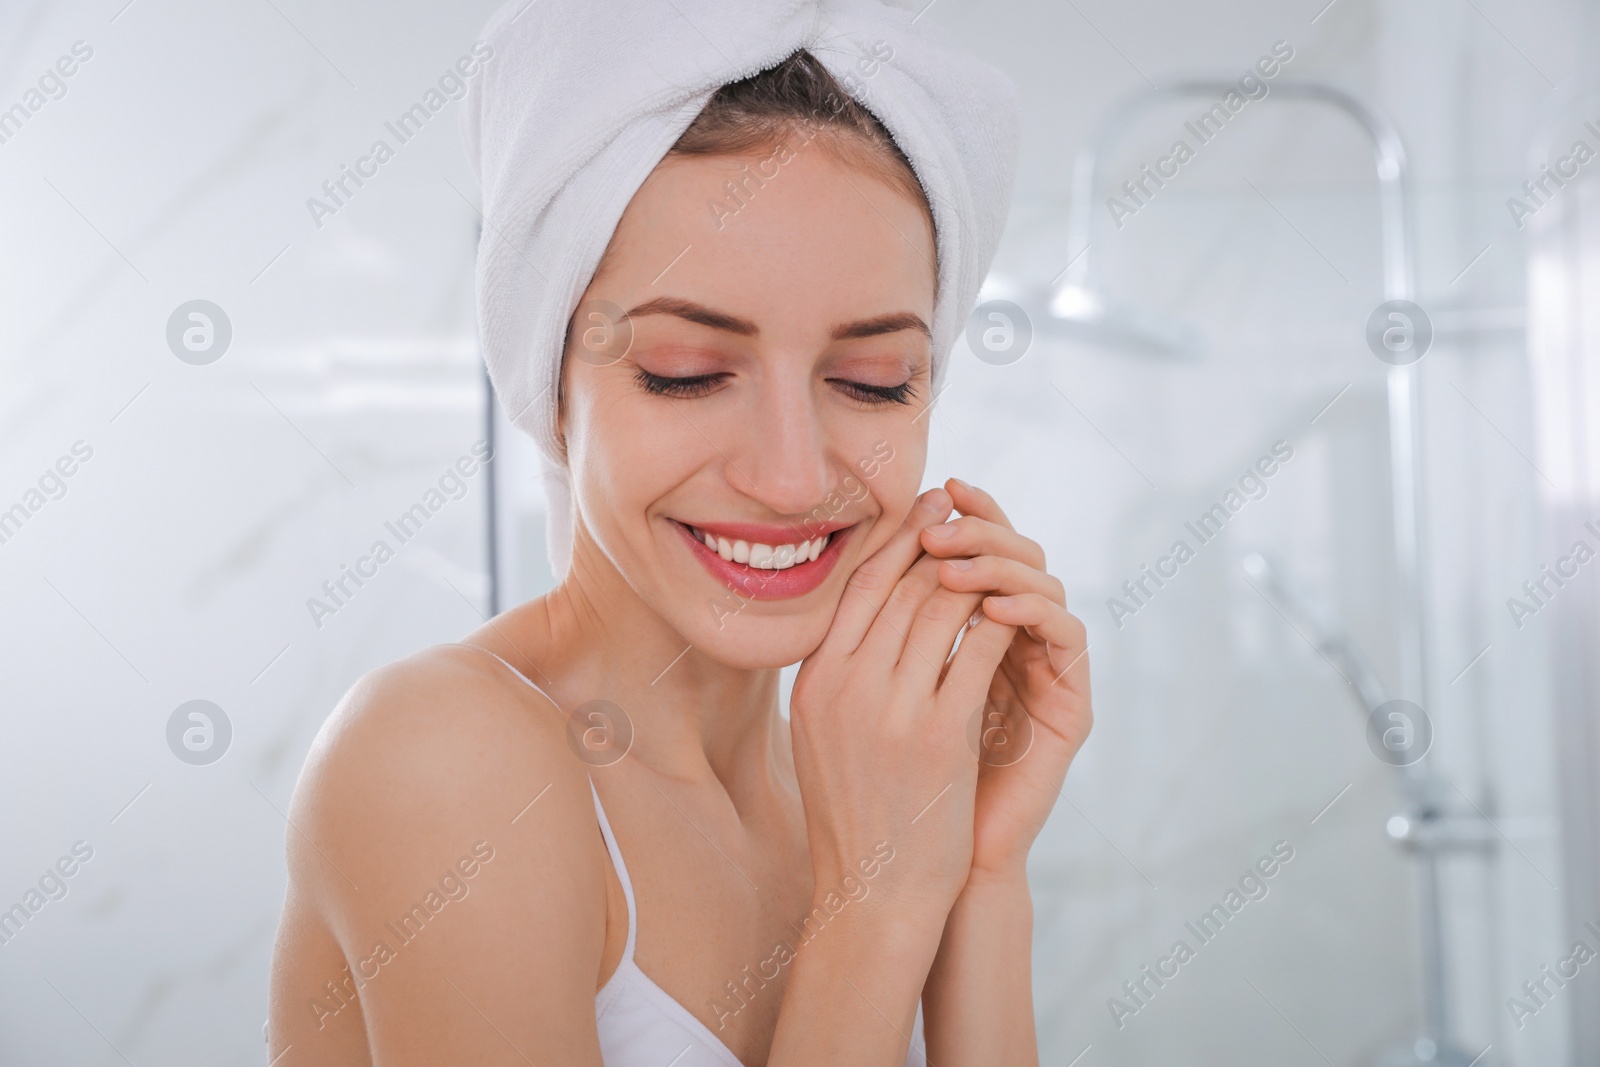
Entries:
{"x":691,"y":715}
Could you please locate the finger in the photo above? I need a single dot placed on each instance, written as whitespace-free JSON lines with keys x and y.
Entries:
{"x":970,"y":500}
{"x":1001,"y":576}
{"x":939,"y":621}
{"x":869,"y":587}
{"x":970,"y":535}
{"x":885,"y":639}
{"x":1063,"y":633}
{"x":973,"y":666}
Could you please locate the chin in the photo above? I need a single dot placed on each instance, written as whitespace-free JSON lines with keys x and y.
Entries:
{"x":749,"y":642}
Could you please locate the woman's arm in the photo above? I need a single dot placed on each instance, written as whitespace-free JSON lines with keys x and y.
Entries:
{"x":978,"y":1001}
{"x":852,"y":993}
{"x":471,"y":924}
{"x":888,"y":781}
{"x":1035,"y":718}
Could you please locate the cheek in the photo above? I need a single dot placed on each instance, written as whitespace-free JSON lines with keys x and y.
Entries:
{"x":622,"y":455}
{"x":893,"y":477}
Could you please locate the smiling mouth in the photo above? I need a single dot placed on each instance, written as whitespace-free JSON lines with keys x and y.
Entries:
{"x":761,"y":556}
{"x":760,"y":569}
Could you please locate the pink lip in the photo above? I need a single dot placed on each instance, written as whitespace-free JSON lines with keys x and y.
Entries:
{"x":759,"y":583}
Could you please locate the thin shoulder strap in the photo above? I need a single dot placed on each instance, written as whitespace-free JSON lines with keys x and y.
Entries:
{"x":600,"y":814}
{"x":525,"y":679}
{"x":622,"y":870}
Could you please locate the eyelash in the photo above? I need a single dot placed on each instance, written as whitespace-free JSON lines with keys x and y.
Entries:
{"x":698,"y":385}
{"x":877,"y":394}
{"x":692,"y":386}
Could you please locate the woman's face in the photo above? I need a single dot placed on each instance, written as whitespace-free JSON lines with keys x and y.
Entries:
{"x":766,"y":391}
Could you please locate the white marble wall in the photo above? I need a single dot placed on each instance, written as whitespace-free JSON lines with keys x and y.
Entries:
{"x":219,"y":498}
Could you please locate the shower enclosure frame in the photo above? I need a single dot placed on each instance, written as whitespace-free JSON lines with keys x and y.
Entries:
{"x":1406,"y":474}
{"x":1563,"y":393}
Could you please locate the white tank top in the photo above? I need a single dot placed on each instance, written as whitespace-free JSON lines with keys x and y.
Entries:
{"x":640,"y":1024}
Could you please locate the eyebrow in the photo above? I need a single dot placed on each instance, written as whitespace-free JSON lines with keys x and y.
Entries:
{"x":893,"y":322}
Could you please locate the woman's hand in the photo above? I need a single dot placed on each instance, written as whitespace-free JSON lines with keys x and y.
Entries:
{"x":1037,"y":712}
{"x":878,"y":716}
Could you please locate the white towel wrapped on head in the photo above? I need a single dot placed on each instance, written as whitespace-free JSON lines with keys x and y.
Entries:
{"x":582,"y":98}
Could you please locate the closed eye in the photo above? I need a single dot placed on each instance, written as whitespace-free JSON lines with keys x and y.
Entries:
{"x":697,"y":385}
{"x":691,"y":386}
{"x":876,"y":394}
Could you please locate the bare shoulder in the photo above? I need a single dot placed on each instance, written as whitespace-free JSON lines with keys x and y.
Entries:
{"x":444,"y":748}
{"x":442,"y":828}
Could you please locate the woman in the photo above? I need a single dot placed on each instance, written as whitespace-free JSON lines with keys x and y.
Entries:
{"x":585,"y":834}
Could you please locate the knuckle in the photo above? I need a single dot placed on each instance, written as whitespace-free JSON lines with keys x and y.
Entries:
{"x":906,"y":594}
{"x":940,"y":609}
{"x":868,"y":578}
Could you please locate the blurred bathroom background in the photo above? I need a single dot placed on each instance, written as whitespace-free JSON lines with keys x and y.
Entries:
{"x":217,"y":483}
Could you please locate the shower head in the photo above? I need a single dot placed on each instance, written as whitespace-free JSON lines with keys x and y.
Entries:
{"x":1078,"y":313}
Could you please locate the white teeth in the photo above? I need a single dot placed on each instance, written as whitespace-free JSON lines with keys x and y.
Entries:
{"x":765,"y":557}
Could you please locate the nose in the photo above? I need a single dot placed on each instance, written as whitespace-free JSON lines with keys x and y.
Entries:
{"x":783,"y":458}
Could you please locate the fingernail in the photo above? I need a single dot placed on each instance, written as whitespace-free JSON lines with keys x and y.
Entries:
{"x":946,"y":529}
{"x":1003,"y":601}
{"x":962,"y":484}
{"x":960,"y":564}
{"x":935,"y":500}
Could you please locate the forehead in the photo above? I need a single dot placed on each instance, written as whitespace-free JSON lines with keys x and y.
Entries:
{"x":794,"y":239}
